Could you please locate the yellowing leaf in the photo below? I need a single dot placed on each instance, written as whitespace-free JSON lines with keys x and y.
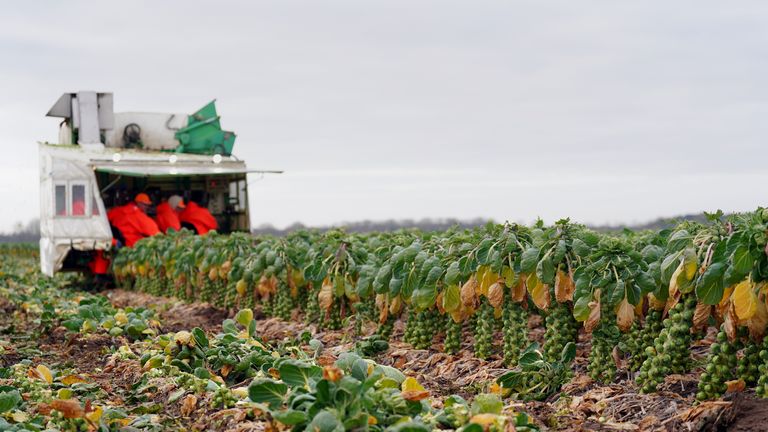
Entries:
{"x":44,"y":373}
{"x":625,"y":314}
{"x":655,"y":303}
{"x":758,"y":323}
{"x":121,"y":318}
{"x":95,"y":415}
{"x":410,"y":383}
{"x":241,"y":286}
{"x":19,"y":416}
{"x":486,"y":420}
{"x":439,"y":302}
{"x":452,"y":298}
{"x":538,"y":291}
{"x":72,"y":379}
{"x":690,"y":264}
{"x":395,"y":305}
{"x":518,"y":291}
{"x":745,"y":300}
{"x":414,"y":395}
{"x":508,"y":275}
{"x":674,"y":281}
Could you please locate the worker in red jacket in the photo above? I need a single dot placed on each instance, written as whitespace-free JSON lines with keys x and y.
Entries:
{"x":198,"y":217}
{"x":132,"y":220}
{"x":168,"y":213}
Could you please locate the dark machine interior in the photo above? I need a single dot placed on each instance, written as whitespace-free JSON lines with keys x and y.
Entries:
{"x":224,"y":195}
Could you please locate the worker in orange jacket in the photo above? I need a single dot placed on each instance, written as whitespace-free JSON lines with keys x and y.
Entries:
{"x":198,"y":217}
{"x":132,"y":220}
{"x":168,"y":213}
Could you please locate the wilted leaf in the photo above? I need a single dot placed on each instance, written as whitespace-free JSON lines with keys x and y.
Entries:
{"x":469,"y":293}
{"x":518,"y":291}
{"x":701,"y":316}
{"x":564,"y":287}
{"x":188,"y":405}
{"x":594,"y":313}
{"x":496,"y":294}
{"x":70,"y":408}
{"x":729,"y":322}
{"x":735,"y":385}
{"x":625,"y":315}
{"x":325,"y":296}
{"x":332,"y":373}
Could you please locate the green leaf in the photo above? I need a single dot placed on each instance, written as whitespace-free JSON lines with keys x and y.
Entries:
{"x":545,"y":270}
{"x":267,"y":390}
{"x":325,"y":421}
{"x":529,"y":259}
{"x":452,"y":274}
{"x":568,"y":354}
{"x":487,"y":403}
{"x":290,"y":417}
{"x":483,"y":250}
{"x":297,"y":373}
{"x":201,"y":340}
{"x":581,"y":308}
{"x":560,"y":250}
{"x":645,"y":282}
{"x":742,"y":260}
{"x":580,"y":248}
{"x":229,"y":326}
{"x":244,"y":317}
{"x":9,"y":400}
{"x":412,"y":426}
{"x":679,"y":240}
{"x":425,"y":296}
{"x":710,"y":288}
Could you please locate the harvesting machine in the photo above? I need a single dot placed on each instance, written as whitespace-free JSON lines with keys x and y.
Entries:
{"x":103,"y":158}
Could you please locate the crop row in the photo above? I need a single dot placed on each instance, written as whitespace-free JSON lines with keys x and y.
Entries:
{"x":651,"y":294}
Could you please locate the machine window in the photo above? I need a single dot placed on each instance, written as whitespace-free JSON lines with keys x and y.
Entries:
{"x":60,"y":196}
{"x":94,"y":207}
{"x":78,"y":200}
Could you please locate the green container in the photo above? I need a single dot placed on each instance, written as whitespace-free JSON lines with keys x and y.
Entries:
{"x":203,"y":134}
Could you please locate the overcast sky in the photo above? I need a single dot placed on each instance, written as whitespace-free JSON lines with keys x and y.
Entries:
{"x":605,"y":111}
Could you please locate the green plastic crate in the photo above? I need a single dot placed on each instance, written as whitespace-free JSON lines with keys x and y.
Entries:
{"x":203,"y":134}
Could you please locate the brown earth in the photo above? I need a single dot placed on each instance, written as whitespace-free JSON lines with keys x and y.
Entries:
{"x":582,"y":405}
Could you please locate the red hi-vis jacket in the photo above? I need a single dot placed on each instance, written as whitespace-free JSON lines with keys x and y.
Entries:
{"x":167,"y":218}
{"x":132,"y":223}
{"x":199,"y":217}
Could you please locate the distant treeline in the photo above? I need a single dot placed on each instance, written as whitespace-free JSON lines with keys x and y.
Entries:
{"x":23,"y":233}
{"x":379,"y":226}
{"x":30,"y":232}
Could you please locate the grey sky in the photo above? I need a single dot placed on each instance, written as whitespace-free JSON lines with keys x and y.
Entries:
{"x":604,"y":111}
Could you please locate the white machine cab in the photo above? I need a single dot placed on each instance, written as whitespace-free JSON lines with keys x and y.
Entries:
{"x":81,"y":178}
